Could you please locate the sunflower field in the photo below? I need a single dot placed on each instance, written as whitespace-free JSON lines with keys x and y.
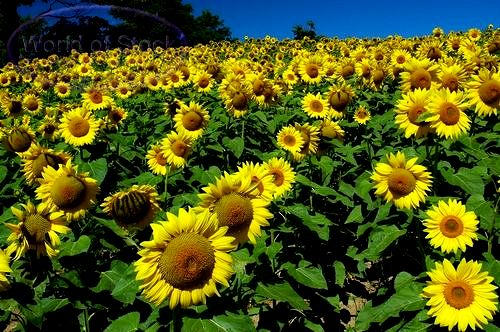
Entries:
{"x":256,"y":185}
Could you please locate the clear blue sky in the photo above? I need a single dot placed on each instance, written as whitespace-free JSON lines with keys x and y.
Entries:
{"x":345,"y":18}
{"x":357,"y":18}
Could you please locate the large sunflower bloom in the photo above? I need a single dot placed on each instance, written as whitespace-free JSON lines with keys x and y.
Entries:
{"x":237,"y":203}
{"x":283,"y":175}
{"x":94,"y":99}
{"x":418,"y":73}
{"x":176,"y":147}
{"x":67,"y":190}
{"x":448,"y":116}
{"x":403,"y":182}
{"x":450,"y":226}
{"x":408,"y":110}
{"x":78,"y":127}
{"x":185,"y":259}
{"x":37,"y":230}
{"x":315,"y":106}
{"x":133,"y":208}
{"x":484,"y":92}
{"x":191,"y":120}
{"x":463,"y":297}
{"x":290,"y":139}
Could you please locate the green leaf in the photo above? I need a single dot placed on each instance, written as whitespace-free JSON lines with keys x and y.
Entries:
{"x":3,"y":173}
{"x":339,"y":273}
{"x":483,"y":209}
{"x":120,"y":280}
{"x":74,"y":248}
{"x":51,"y":305}
{"x":355,"y":215}
{"x":234,"y":322}
{"x":306,"y":274}
{"x":197,"y":324}
{"x":282,"y":292}
{"x":236,"y":145}
{"x":407,"y":298}
{"x":97,"y":169}
{"x":380,"y":238}
{"x":467,"y":179}
{"x":125,"y":323}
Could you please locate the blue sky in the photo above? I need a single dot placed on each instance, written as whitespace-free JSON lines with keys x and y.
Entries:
{"x":345,"y":18}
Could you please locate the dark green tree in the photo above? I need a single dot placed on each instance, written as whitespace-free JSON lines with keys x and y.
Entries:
{"x":299,"y":32}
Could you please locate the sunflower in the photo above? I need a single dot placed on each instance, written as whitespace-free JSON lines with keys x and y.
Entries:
{"x":37,"y":230}
{"x":94,"y":99}
{"x":290,"y":77}
{"x":49,"y":128}
{"x":191,"y":120}
{"x":62,"y":89}
{"x":283,"y":175}
{"x":132,"y":208}
{"x":259,"y":176}
{"x":32,"y":103}
{"x":176,"y":147}
{"x":450,"y":226}
{"x":116,"y":115}
{"x":67,"y":190}
{"x":310,"y":135}
{"x":315,"y":106}
{"x":339,"y":97}
{"x":409,"y":109}
{"x":4,"y":268}
{"x":463,"y":297}
{"x":290,"y":139}
{"x":418,"y":73}
{"x":403,"y":182}
{"x":362,"y":115}
{"x":237,"y":106}
{"x":484,"y":92}
{"x":123,"y":90}
{"x":78,"y":127}
{"x":19,"y":138}
{"x":37,"y":158}
{"x":474,"y":34}
{"x":203,"y":81}
{"x":11,"y":105}
{"x":186,"y":257}
{"x":448,"y":117}
{"x":452,"y":76}
{"x":311,"y":69}
{"x":237,"y":203}
{"x":331,"y":129}
{"x":157,"y":160}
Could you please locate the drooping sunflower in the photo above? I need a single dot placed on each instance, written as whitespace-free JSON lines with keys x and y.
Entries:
{"x":283,"y":175}
{"x":259,"y":176}
{"x":450,"y":226}
{"x":237,"y":203}
{"x":362,"y":115}
{"x":4,"y":268}
{"x":95,"y":99}
{"x":67,"y":190}
{"x":339,"y":97}
{"x":186,"y":257}
{"x":408,"y":110}
{"x":157,"y":160}
{"x":19,"y":138}
{"x":331,"y":129}
{"x":78,"y":127}
{"x":464,"y":297}
{"x":37,"y":230}
{"x":484,"y":92}
{"x":134,"y":207}
{"x":448,"y":117}
{"x":191,"y":120}
{"x":400,"y":181}
{"x":37,"y":158}
{"x":315,"y":106}
{"x":290,"y":139}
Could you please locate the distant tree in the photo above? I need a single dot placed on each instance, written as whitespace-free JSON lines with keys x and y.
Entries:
{"x":209,"y":27}
{"x":299,"y":32}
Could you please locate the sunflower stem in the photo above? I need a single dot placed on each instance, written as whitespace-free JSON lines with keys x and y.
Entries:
{"x":173,"y":323}
{"x":165,"y":187}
